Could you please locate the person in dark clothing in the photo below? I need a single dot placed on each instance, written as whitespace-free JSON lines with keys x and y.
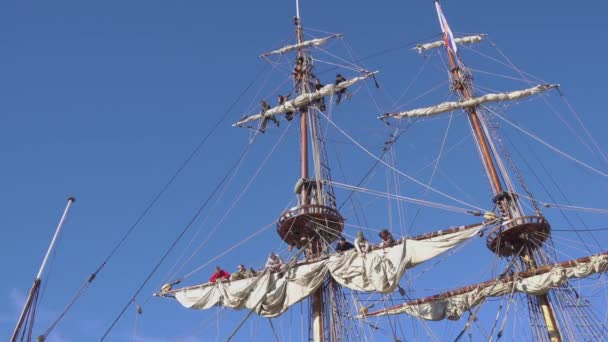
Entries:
{"x":321,"y":101}
{"x":281,"y":100}
{"x":343,"y":245}
{"x":265,"y":119}
{"x":298,"y":71}
{"x":387,"y":238}
{"x":340,"y":79}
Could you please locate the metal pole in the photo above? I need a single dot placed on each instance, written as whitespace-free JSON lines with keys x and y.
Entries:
{"x":57,"y":231}
{"x":36,"y":286}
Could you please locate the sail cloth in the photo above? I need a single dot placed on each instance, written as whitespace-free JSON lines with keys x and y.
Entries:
{"x":475,"y":101}
{"x":381,"y":270}
{"x":271,"y":294}
{"x":452,"y":305}
{"x":421,"y":48}
{"x":312,"y":42}
{"x":305,"y":99}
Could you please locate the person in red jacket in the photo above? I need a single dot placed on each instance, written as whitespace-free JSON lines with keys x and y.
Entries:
{"x":219,"y":274}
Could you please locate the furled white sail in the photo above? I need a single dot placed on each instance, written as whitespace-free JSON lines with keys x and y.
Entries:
{"x":268,"y":295}
{"x":271,"y":294}
{"x":452,"y":305}
{"x":450,"y":106}
{"x":463,"y":40}
{"x":305,"y":99}
{"x":312,"y":42}
{"x":381,"y":270}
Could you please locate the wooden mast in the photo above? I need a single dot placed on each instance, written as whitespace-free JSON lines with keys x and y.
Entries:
{"x":317,"y":304}
{"x":462,"y":87}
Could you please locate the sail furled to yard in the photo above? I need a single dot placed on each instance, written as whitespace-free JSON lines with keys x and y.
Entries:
{"x":270,"y":294}
{"x":381,"y":269}
{"x":303,"y":100}
{"x":421,"y":48}
{"x":475,"y":101}
{"x":452,"y":305}
{"x":307,"y":43}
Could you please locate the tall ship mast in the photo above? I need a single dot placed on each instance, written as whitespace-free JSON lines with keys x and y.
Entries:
{"x":315,"y":222}
{"x":516,"y":236}
{"x":367,"y":249}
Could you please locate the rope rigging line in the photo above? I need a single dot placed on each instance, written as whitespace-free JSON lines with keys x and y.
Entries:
{"x":580,"y":122}
{"x":399,"y":171}
{"x":551,"y":147}
{"x":388,"y":144}
{"x":162,"y":191}
{"x":403,"y":198}
{"x":434,"y":88}
{"x":412,"y":82}
{"x":178,"y":238}
{"x":557,"y":186}
{"x":439,"y":155}
{"x":234,"y":203}
{"x":479,"y":71}
{"x":376,"y":54}
{"x":576,"y":115}
{"x":525,"y":75}
{"x":580,"y":230}
{"x":178,"y":171}
{"x":258,"y":232}
{"x":436,"y":163}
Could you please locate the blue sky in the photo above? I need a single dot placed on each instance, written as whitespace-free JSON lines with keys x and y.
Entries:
{"x":105,"y":100}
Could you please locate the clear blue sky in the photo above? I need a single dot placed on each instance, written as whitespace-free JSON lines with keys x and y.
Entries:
{"x":104,"y":100}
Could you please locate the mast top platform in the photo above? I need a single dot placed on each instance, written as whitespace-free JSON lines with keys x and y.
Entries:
{"x":508,"y":238}
{"x":302,"y":224}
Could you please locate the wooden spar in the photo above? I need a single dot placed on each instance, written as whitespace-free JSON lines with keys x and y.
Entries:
{"x":507,"y":278}
{"x":36,"y":286}
{"x":527,"y":256}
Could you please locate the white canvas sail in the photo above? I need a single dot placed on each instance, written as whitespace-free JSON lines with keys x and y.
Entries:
{"x":381,"y":270}
{"x":312,"y":42}
{"x":450,"y":106}
{"x":452,"y":305}
{"x":421,"y":48}
{"x":271,"y":294}
{"x":268,"y":295}
{"x":305,"y":99}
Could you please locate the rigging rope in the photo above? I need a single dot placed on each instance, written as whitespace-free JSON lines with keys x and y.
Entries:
{"x":403,"y":198}
{"x":164,"y":188}
{"x":196,"y":215}
{"x":578,"y":119}
{"x":230,"y":249}
{"x":399,"y":171}
{"x":551,"y":147}
{"x":239,"y":197}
